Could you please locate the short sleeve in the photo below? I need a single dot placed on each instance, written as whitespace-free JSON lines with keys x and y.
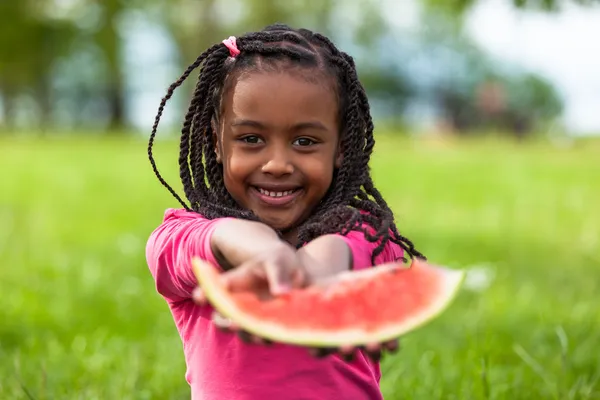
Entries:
{"x":362,"y":251}
{"x":170,"y":248}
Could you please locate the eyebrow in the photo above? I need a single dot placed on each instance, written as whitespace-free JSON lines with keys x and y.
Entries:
{"x":300,"y":126}
{"x":247,"y":122}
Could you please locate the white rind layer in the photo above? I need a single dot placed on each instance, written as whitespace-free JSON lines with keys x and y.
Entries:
{"x":451,"y":279}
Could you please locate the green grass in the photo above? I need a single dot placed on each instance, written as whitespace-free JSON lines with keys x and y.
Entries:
{"x":80,"y":318}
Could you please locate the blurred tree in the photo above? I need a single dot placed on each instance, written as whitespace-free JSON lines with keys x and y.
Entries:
{"x":459,"y":7}
{"x":389,"y":91}
{"x":53,"y":50}
{"x":521,"y":104}
{"x":36,"y":34}
{"x":30,"y":43}
{"x":194,"y":26}
{"x":108,"y":40}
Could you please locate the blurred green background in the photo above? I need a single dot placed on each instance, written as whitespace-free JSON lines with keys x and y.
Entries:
{"x":475,"y":155}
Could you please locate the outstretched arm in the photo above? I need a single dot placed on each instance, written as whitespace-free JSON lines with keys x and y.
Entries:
{"x":325,"y":256}
{"x":322,"y":258}
{"x":236,"y":241}
{"x":224,"y":242}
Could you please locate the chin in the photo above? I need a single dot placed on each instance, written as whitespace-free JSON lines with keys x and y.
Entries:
{"x":279,"y":224}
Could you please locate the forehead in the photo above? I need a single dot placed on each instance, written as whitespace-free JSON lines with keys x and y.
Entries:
{"x":282,"y":97}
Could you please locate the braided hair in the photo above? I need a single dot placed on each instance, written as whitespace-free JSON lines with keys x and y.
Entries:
{"x":351,"y":202}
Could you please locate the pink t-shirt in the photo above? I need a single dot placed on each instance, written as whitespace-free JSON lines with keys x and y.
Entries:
{"x":219,"y":365}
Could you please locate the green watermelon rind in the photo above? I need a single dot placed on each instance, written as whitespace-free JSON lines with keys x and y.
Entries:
{"x":313,"y":337}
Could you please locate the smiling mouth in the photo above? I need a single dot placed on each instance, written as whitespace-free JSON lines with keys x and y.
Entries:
{"x":271,"y":193}
{"x":276,"y":197}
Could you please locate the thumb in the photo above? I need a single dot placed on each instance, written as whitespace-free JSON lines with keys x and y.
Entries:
{"x":241,"y":279}
{"x":279,"y":278}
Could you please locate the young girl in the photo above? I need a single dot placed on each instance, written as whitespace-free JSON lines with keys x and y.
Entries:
{"x":274,"y":160}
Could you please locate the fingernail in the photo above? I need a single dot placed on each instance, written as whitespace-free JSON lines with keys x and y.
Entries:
{"x":280,"y":289}
{"x":198,"y":296}
{"x":221,"y":322}
{"x":256,"y":339}
{"x":372,"y":347}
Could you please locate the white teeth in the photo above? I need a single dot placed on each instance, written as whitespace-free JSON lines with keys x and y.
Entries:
{"x":275,"y":194}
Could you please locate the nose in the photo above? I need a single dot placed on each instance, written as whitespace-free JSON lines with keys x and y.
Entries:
{"x":278,"y":163}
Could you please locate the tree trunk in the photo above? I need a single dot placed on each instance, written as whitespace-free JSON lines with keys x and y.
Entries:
{"x":110,"y":43}
{"x":8,"y":109}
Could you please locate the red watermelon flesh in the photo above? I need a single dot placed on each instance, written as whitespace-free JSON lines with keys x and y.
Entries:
{"x":351,"y":309}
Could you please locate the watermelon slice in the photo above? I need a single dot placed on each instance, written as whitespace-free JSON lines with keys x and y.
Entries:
{"x":354,"y":308}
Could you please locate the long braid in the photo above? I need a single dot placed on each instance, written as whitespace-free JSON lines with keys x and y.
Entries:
{"x":367,"y":151}
{"x":161,"y":108}
{"x":186,"y":148}
{"x":352,"y":202}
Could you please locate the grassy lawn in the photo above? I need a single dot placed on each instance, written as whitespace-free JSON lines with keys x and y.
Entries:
{"x":80,"y":318}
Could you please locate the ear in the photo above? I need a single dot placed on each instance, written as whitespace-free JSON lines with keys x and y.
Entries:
{"x":215,"y":140}
{"x":339,"y":157}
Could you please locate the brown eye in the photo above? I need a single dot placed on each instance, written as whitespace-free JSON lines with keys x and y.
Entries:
{"x":251,"y":139}
{"x":303,"y":142}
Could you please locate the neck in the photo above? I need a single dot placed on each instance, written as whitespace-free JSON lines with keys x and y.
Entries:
{"x":290,"y":236}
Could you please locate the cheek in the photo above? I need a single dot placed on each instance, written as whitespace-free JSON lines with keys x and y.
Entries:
{"x":236,"y":167}
{"x":321,"y":173}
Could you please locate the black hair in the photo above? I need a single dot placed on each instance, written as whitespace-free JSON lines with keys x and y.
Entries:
{"x":352,"y":200}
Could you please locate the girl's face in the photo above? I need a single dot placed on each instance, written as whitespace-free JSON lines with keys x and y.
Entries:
{"x":278,"y":143}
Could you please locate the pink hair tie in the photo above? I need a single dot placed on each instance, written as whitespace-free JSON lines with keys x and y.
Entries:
{"x":231,"y":44}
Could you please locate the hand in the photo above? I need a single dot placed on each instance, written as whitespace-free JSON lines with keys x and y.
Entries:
{"x":270,"y":274}
{"x":373,"y":351}
{"x":275,"y":273}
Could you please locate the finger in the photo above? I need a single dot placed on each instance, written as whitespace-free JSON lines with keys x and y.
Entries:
{"x":347,"y":353}
{"x":279,"y":278}
{"x":247,"y":337}
{"x":346,"y":349}
{"x":392,"y":346}
{"x":372,"y":347}
{"x":321,"y":352}
{"x":198,"y":296}
{"x":260,"y":340}
{"x":223,"y":322}
{"x":243,"y":278}
{"x":244,"y":336}
{"x":299,"y":278}
{"x":373,"y":351}
{"x":374,"y":355}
